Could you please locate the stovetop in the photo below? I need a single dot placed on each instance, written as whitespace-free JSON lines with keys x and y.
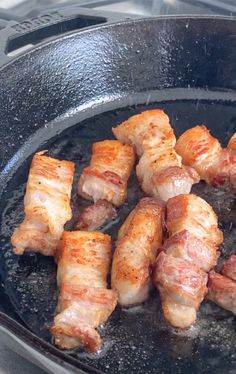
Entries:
{"x":22,"y":9}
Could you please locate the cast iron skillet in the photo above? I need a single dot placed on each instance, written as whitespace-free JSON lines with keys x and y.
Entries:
{"x":67,"y":93}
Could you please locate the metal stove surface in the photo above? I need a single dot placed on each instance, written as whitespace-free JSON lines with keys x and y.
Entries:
{"x":22,"y":9}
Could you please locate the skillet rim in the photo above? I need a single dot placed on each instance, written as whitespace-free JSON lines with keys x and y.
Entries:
{"x":110,"y":23}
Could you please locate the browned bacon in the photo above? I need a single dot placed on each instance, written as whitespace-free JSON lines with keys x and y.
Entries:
{"x":159,"y":170}
{"x":138,"y":241}
{"x":189,"y":247}
{"x":229,"y":267}
{"x":47,"y":205}
{"x":95,"y":216}
{"x":222,"y":291}
{"x":232,"y":142}
{"x":84,"y":302}
{"x":192,"y":213}
{"x":190,"y":252}
{"x":107,"y":175}
{"x":200,"y":150}
{"x":182,"y":287}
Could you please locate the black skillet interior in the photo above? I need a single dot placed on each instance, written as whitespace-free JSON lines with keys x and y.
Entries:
{"x":63,"y":97}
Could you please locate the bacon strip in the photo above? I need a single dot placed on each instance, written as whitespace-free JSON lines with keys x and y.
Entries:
{"x":95,"y":216}
{"x":232,"y":142}
{"x":200,"y":150}
{"x":159,"y":170}
{"x":190,"y":252}
{"x":222,"y":288}
{"x":222,"y":291}
{"x":182,"y":287}
{"x":107,"y":175}
{"x":229,"y":268}
{"x":47,"y":205}
{"x":189,"y":247}
{"x":194,"y":214}
{"x":139,"y":238}
{"x":84,"y":302}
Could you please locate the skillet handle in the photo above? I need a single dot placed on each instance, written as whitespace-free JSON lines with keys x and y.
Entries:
{"x":17,"y":37}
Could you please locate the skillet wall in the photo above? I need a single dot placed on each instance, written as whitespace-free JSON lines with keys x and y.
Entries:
{"x":104,"y":63}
